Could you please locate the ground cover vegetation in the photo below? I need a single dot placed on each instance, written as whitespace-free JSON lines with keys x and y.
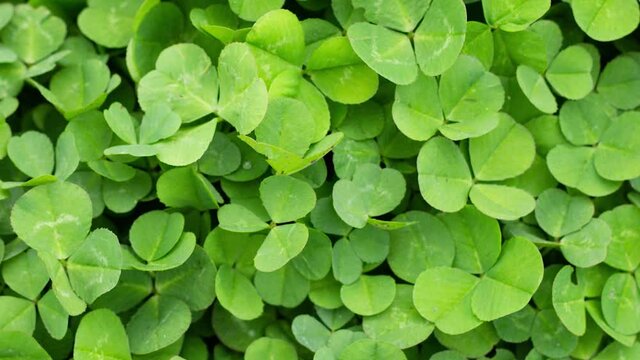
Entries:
{"x":319,"y":179}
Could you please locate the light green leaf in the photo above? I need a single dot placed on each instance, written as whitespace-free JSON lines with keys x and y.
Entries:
{"x":17,"y":315}
{"x":468,"y":91}
{"x":552,"y":35}
{"x":221,"y":158}
{"x":621,"y":304}
{"x":236,"y":294}
{"x":443,"y":175}
{"x":387,"y":52}
{"x":588,"y":246}
{"x":61,"y":287}
{"x":424,"y":244}
{"x":111,"y":170}
{"x":570,"y":72}
{"x":370,"y":243}
{"x":176,"y":257}
{"x":400,"y":324}
{"x":502,"y":202}
{"x":91,"y":134}
{"x":237,"y":218}
{"x":546,"y":132}
{"x":568,"y":301}
{"x":159,"y":322}
{"x":335,"y":318}
{"x":550,"y":337}
{"x":314,"y":262}
{"x":15,"y":345}
{"x":283,"y":287}
{"x":288,"y":124}
{"x":81,"y":87}
{"x":516,"y":327}
{"x":509,"y":285}
{"x":101,"y":335}
{"x":559,"y":213}
{"x":535,"y":88}
{"x":109,"y":24}
{"x":53,"y":315}
{"x":251,"y":11}
{"x":95,"y":267}
{"x":369,"y":295}
{"x":401,"y":15}
{"x":439,"y":39}
{"x":122,"y":197}
{"x":584,"y":121}
{"x":619,"y":81}
{"x":219,"y":21}
{"x":595,"y":311}
{"x":340,"y":74}
{"x":518,"y":48}
{"x":187,"y":145}
{"x":346,"y":265}
{"x":606,"y":20}
{"x":283,"y":161}
{"x":6,"y":13}
{"x":190,"y":282}
{"x":442,"y":295}
{"x":346,"y":14}
{"x":53,"y":218}
{"x":277,"y":34}
{"x":348,"y":154}
{"x":310,"y":332}
{"x":416,"y":109}
{"x":470,"y":128}
{"x":477,"y":239}
{"x":157,"y":25}
{"x":616,"y":350}
{"x":158,"y":123}
{"x":67,"y":156}
{"x":25,"y":274}
{"x":286,"y":198}
{"x":479,"y":43}
{"x":283,"y":243}
{"x":155,"y":233}
{"x":270,"y":348}
{"x":14,"y":74}
{"x":574,"y":167}
{"x":133,"y":287}
{"x":33,"y":33}
{"x":505,"y":152}
{"x":184,"y":188}
{"x":47,"y":64}
{"x":623,"y":251}
{"x":372,"y":192}
{"x":513,"y":16}
{"x":243,"y":96}
{"x":184,"y":79}
{"x":367,"y":349}
{"x":32,"y":153}
{"x":617,"y":157}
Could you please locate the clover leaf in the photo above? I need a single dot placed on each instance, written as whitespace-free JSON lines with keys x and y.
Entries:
{"x":335,"y":180}
{"x":181,"y":69}
{"x":360,"y":198}
{"x":33,"y":33}
{"x":46,"y":220}
{"x":605,"y":21}
{"x":109,"y":24}
{"x":92,"y":341}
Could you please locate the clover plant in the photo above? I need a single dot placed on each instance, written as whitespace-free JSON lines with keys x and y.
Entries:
{"x":319,"y":179}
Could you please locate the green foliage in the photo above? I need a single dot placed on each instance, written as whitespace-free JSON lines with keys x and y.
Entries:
{"x":319,"y":179}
